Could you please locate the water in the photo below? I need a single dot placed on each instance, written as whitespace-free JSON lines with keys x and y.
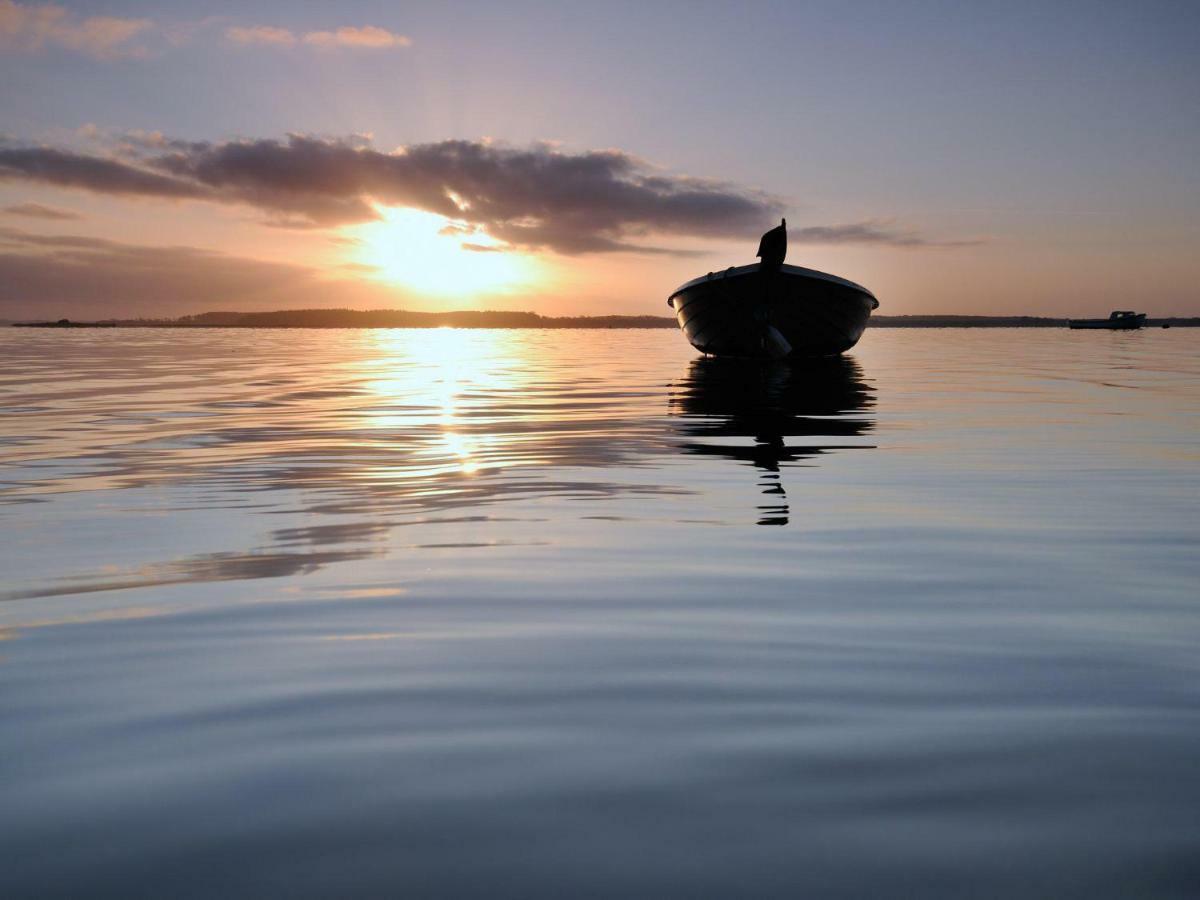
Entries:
{"x":521,"y":613}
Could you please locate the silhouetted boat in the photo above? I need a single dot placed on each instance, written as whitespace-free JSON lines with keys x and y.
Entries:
{"x":1118,"y":320}
{"x":772,"y":310}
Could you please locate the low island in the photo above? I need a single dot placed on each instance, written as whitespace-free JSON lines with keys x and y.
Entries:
{"x":403,"y":318}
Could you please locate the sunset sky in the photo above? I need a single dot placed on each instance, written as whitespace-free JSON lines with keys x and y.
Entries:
{"x":160,"y":158}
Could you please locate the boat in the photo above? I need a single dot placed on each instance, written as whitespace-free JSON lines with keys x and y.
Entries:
{"x":1118,"y":320}
{"x":772,"y":310}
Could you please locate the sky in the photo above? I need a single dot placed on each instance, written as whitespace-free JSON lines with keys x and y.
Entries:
{"x":165,"y":158}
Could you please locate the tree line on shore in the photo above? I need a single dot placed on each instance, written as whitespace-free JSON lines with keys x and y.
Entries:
{"x":403,"y":318}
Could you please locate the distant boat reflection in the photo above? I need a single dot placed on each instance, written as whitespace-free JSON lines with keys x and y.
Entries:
{"x":721,"y":402}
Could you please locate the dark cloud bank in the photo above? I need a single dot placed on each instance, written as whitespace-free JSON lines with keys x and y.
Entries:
{"x":48,"y":276}
{"x":534,"y":198}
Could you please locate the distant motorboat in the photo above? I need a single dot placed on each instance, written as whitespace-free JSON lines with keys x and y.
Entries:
{"x":1118,"y":320}
{"x":771,"y":310}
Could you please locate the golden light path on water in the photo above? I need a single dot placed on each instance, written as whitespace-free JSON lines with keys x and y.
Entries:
{"x":437,"y":257}
{"x":456,"y":367}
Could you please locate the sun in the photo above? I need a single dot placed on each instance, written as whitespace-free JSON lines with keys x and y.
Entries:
{"x":432,"y":255}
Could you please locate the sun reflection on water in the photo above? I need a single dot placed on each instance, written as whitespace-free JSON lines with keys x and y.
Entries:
{"x":291,"y":451}
{"x":449,"y":383}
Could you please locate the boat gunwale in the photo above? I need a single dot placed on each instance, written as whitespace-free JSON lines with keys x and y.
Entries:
{"x":800,"y":271}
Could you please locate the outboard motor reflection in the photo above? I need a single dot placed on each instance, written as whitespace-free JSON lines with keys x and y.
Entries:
{"x":771,"y":413}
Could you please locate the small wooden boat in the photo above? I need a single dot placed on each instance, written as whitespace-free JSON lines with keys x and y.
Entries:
{"x":1118,"y":320}
{"x":771,"y":310}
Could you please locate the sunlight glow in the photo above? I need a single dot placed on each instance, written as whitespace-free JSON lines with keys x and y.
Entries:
{"x":457,"y":378}
{"x":425,"y":252}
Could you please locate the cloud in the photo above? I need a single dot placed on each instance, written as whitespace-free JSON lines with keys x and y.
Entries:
{"x":367,"y":37}
{"x":65,"y":168}
{"x":533,"y":197}
{"x":182,"y":33}
{"x":34,"y":28}
{"x":873,"y":231}
{"x":50,"y":276}
{"x":869,"y":232}
{"x":38,"y":211}
{"x":261,"y":34}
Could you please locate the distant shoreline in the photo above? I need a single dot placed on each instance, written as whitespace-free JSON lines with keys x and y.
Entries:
{"x":399,"y":318}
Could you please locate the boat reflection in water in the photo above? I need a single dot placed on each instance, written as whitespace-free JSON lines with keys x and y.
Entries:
{"x":791,"y":410}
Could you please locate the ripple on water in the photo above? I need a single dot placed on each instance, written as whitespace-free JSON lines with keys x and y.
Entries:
{"x":491,"y":612}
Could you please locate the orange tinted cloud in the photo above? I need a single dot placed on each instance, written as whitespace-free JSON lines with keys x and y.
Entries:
{"x":40,"y":211}
{"x":34,"y":28}
{"x":261,"y":34}
{"x":86,"y":277}
{"x":367,"y":37}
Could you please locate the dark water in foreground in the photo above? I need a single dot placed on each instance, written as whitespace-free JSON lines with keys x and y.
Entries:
{"x":386,"y":613}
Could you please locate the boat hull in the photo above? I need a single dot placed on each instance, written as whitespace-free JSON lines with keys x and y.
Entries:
{"x":788,"y":312}
{"x":1127,"y":323}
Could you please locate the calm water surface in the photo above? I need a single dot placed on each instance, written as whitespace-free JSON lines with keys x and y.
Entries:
{"x":521,"y":613}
